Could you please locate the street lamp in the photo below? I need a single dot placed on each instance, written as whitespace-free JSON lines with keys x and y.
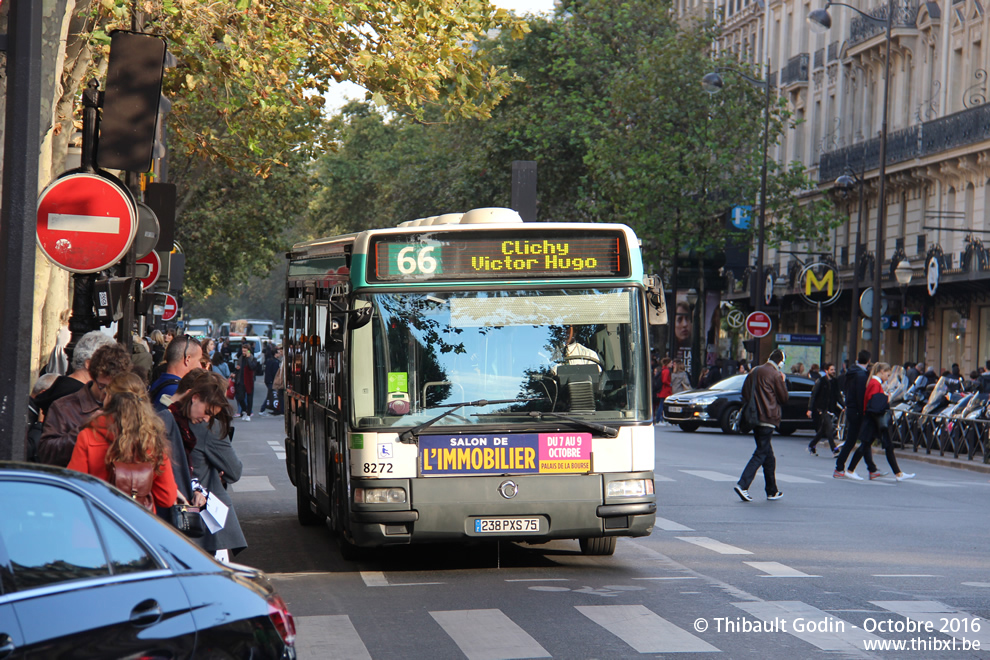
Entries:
{"x":904,"y":272}
{"x":846,"y":182}
{"x":820,"y":21}
{"x":712,"y":83}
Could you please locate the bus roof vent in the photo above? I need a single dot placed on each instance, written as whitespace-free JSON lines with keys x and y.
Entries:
{"x":490,"y":215}
{"x":448,"y":219}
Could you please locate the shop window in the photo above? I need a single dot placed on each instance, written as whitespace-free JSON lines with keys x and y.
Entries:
{"x":983,"y":349}
{"x":953,"y":339}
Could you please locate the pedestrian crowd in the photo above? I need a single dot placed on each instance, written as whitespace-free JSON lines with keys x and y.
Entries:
{"x":155,"y":422}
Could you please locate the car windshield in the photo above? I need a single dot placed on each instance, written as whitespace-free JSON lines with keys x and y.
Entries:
{"x":730,"y":383}
{"x":579,"y":352}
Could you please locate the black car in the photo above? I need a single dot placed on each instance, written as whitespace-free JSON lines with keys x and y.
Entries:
{"x":85,"y":572}
{"x":719,"y":405}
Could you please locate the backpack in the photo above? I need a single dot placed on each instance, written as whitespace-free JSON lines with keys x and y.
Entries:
{"x":749,"y":417}
{"x":134,"y":479}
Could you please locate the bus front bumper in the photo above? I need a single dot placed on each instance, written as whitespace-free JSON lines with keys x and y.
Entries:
{"x":547,"y":507}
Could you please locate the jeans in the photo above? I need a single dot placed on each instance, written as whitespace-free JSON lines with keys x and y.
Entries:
{"x":853,"y":421}
{"x":824,"y":428}
{"x":269,"y":401}
{"x":245,"y":401}
{"x":762,"y":457}
{"x":868,"y":433}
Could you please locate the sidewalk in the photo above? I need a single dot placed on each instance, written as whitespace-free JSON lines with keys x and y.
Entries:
{"x":976,"y":465}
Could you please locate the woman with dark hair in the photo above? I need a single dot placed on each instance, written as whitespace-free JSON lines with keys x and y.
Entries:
{"x":126,"y":432}
{"x":219,"y":364}
{"x":200,"y":432}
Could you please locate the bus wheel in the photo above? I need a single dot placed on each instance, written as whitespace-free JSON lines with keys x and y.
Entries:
{"x":599,"y":545}
{"x":304,"y":510}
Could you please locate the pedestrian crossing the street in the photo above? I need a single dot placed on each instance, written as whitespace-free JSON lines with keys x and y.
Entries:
{"x":491,"y":634}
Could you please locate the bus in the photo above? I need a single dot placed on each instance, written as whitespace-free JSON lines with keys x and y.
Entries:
{"x":471,"y":376}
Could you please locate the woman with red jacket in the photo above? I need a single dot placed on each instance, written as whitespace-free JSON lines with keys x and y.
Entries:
{"x":875,"y":404}
{"x":127,"y":431}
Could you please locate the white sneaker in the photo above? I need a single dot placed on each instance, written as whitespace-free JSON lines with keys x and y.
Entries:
{"x":247,"y":418}
{"x":904,"y":476}
{"x":849,"y":474}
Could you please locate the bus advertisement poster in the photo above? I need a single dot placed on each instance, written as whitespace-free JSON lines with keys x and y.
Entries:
{"x":521,"y":453}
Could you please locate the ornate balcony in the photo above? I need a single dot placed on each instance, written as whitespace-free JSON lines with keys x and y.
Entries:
{"x":905,"y":16}
{"x":956,"y":130}
{"x":796,"y":70}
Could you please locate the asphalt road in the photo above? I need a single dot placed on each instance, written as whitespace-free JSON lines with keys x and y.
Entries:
{"x":834,"y":566}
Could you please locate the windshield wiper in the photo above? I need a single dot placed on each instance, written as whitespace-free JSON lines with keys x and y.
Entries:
{"x":409,"y":436}
{"x":608,"y":431}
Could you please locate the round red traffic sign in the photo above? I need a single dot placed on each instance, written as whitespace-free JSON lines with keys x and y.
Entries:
{"x":758,"y":324}
{"x":171,"y":307}
{"x":85,"y":223}
{"x":155,"y":262}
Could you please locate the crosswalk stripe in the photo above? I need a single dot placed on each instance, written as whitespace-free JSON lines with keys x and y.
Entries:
{"x":833,"y":635}
{"x":789,"y":479}
{"x":942,"y":617}
{"x":657,"y":477}
{"x":776,"y":569}
{"x":935,"y":484}
{"x":643,"y":630}
{"x":252,"y":485}
{"x":671,"y":526}
{"x":710,"y":475}
{"x":716,"y":546}
{"x":488,"y":635}
{"x":328,"y":637}
{"x":374,"y":578}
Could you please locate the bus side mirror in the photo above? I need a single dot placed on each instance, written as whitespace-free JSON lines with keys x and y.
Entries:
{"x":656,"y":307}
{"x":340,"y":321}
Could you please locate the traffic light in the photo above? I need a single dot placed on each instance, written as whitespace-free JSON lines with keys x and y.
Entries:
{"x":131,"y":101}
{"x":109,"y":297}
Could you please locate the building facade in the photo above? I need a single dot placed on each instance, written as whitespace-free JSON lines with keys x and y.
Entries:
{"x":937,"y":167}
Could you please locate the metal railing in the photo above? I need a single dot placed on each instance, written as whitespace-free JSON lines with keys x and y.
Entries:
{"x":954,"y":436}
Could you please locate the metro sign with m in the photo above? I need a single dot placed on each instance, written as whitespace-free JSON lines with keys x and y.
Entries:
{"x":823,"y":289}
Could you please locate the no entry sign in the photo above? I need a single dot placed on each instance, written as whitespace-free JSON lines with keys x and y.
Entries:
{"x":155,"y":263}
{"x":86,"y":222}
{"x":171,"y":308}
{"x":758,"y":324}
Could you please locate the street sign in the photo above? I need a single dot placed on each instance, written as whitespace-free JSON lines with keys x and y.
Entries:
{"x":735,"y":319}
{"x":85,"y":222}
{"x":866,"y":303}
{"x":819,"y":284}
{"x":171,"y":308}
{"x":758,"y":324}
{"x":768,"y":288}
{"x":147,"y":232}
{"x":155,"y":263}
{"x":740,"y":216}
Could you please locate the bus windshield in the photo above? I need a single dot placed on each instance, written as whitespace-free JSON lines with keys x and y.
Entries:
{"x":581,"y":352}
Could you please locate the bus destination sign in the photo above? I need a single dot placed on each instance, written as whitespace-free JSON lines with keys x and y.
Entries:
{"x":481,"y":256}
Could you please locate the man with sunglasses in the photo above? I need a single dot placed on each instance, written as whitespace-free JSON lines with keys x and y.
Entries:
{"x":182,"y":356}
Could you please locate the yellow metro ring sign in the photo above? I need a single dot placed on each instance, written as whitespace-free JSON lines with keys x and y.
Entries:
{"x":819,"y":284}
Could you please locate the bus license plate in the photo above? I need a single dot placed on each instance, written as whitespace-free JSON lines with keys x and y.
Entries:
{"x":674,"y":409}
{"x":507,"y":525}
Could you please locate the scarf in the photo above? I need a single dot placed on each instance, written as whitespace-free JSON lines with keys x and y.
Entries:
{"x":188,"y":439}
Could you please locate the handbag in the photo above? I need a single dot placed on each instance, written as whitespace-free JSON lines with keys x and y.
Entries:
{"x":231,"y":389}
{"x":882,"y":420}
{"x":187,"y":520}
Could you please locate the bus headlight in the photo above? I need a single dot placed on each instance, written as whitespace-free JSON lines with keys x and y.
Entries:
{"x":379,"y":495}
{"x":629,"y":488}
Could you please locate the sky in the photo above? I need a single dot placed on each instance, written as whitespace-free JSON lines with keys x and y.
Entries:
{"x":346,"y":91}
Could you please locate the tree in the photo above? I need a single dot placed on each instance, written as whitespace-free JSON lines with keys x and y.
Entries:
{"x":247,"y":90}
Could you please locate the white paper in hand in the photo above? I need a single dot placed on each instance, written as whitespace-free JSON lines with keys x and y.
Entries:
{"x":215,"y":514}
